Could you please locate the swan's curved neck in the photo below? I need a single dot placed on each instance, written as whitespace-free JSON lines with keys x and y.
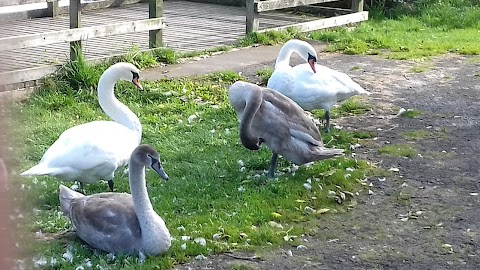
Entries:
{"x":253,"y":101}
{"x":289,"y":48}
{"x":113,"y":107}
{"x":147,"y":217}
{"x":284,"y":55}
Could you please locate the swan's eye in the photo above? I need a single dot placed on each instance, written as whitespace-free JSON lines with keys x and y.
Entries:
{"x":311,"y":57}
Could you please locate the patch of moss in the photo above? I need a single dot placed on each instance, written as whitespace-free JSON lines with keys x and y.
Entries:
{"x":411,"y":113}
{"x":398,"y":150}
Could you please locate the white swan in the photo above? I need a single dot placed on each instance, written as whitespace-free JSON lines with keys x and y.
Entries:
{"x":94,"y":150}
{"x":267,"y":116}
{"x":312,"y":86}
{"x":121,"y":223}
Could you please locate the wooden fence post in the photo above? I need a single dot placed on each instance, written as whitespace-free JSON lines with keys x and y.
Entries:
{"x":357,"y":5}
{"x":155,"y":10}
{"x":252,"y":16}
{"x":52,"y":6}
{"x":75,"y":10}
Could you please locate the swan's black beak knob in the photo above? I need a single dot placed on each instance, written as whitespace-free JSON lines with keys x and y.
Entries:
{"x":157,"y":166}
{"x":311,"y":61}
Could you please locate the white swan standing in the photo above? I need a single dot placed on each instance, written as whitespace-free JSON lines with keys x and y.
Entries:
{"x":121,"y":223}
{"x":267,"y":116}
{"x":94,"y":150}
{"x":312,"y":86}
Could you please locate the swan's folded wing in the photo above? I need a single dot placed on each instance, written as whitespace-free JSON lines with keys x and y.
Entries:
{"x":293,"y":115}
{"x":299,"y":135}
{"x":283,"y":103}
{"x":106,"y":221}
{"x":90,"y":145}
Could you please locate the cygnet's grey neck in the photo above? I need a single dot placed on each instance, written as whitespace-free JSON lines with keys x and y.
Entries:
{"x":138,"y":189}
{"x":113,"y":107}
{"x":153,"y":227}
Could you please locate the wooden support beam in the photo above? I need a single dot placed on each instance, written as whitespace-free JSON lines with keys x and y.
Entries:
{"x":155,"y":10}
{"x":324,"y":23}
{"x":251,"y":16}
{"x":53,"y":8}
{"x":78,"y":34}
{"x":279,"y":4}
{"x":357,"y":5}
{"x":321,"y":10}
{"x":75,"y":22}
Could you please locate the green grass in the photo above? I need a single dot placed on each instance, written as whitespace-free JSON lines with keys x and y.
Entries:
{"x":411,"y":113}
{"x":419,"y":135}
{"x":427,"y":29}
{"x":351,"y":106}
{"x":264,"y":75}
{"x":420,"y":68}
{"x":416,"y":135}
{"x":398,"y":150}
{"x":209,"y":192}
{"x":271,"y":37}
{"x":474,"y":60}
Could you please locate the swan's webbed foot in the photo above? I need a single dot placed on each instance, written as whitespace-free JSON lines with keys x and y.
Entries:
{"x":273,"y":165}
{"x":110,"y":185}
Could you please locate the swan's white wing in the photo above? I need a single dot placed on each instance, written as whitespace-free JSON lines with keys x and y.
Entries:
{"x":328,"y":78}
{"x":88,"y":146}
{"x":282,"y":80}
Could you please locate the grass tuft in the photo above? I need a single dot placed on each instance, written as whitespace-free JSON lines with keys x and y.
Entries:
{"x":398,"y":150}
{"x":420,"y":68}
{"x":271,"y":37}
{"x":411,"y":113}
{"x":264,"y":75}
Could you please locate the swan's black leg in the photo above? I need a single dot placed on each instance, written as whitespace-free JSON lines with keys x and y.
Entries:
{"x":110,"y":185}
{"x":273,"y":165}
{"x":81,"y":190}
{"x":327,"y":118}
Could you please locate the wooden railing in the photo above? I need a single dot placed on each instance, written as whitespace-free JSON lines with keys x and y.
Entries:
{"x":255,"y":7}
{"x":76,"y":34}
{"x":7,"y":3}
{"x":53,"y":9}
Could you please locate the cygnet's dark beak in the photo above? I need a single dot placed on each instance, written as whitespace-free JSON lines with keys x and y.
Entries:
{"x":156,"y":166}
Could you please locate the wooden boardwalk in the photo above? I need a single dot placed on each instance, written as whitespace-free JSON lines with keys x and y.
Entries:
{"x":190,"y":26}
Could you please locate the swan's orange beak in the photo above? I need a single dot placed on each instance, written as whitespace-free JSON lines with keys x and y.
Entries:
{"x":137,"y":83}
{"x":311,"y":62}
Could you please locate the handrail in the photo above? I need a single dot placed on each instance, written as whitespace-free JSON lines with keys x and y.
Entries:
{"x":7,"y":3}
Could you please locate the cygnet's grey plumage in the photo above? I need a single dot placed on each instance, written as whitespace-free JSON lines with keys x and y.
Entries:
{"x":121,"y":223}
{"x":267,"y":116}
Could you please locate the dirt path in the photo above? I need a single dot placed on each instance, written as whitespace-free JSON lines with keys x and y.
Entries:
{"x":427,"y":215}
